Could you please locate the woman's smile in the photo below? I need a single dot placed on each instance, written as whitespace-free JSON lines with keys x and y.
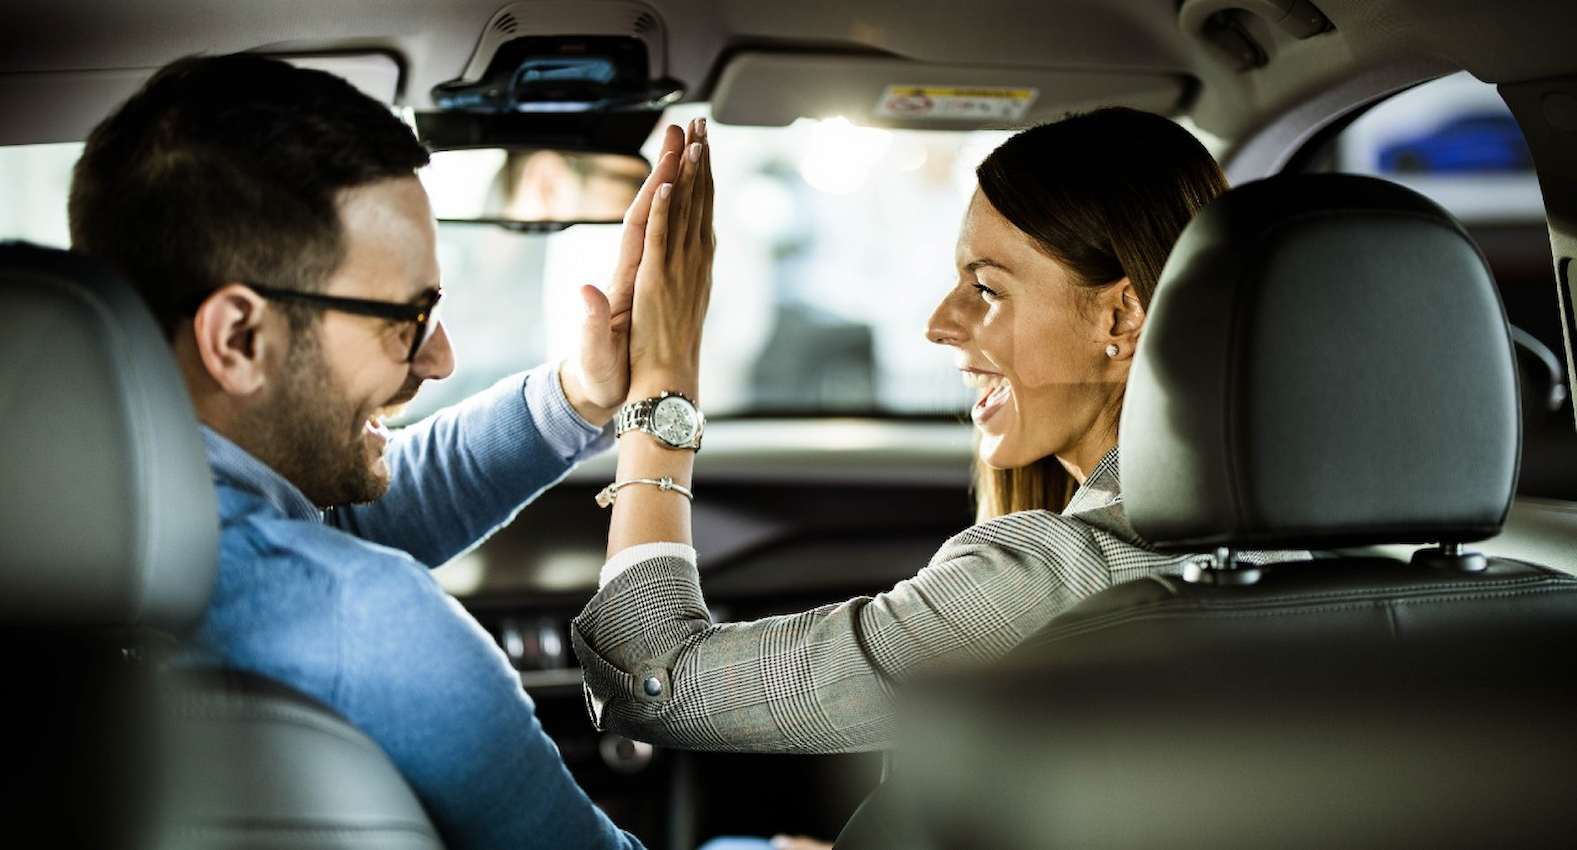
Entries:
{"x":995,"y":392}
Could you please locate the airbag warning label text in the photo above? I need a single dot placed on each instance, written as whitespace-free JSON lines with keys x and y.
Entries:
{"x":955,"y":103}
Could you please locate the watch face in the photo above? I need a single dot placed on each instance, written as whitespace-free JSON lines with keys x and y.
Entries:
{"x":673,"y":420}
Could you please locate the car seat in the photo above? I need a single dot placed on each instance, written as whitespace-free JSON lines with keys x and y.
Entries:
{"x":108,"y":550}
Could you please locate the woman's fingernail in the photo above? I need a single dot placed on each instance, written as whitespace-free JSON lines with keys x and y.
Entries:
{"x":663,"y":190}
{"x":695,"y":152}
{"x":700,"y":127}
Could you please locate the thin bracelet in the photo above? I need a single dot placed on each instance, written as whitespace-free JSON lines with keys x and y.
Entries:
{"x":606,"y":497}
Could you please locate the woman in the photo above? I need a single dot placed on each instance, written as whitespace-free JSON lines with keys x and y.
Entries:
{"x":1057,"y":260}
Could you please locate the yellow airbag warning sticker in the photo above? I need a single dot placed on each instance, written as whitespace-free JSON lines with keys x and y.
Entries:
{"x":955,"y":103}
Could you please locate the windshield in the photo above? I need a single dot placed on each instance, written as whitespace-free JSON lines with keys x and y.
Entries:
{"x":834,"y":244}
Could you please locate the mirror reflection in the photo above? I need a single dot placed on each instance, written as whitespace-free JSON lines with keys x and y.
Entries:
{"x":532,"y":186}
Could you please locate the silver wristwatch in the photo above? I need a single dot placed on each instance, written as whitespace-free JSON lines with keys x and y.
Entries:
{"x":671,"y":417}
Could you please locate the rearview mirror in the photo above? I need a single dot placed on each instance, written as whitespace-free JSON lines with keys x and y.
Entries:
{"x":532,"y":189}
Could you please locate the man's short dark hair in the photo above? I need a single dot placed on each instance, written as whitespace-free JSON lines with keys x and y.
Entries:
{"x":227,"y":168}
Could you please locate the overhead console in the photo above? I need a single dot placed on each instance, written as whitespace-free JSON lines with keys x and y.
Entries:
{"x":774,"y":88}
{"x":1242,"y":30}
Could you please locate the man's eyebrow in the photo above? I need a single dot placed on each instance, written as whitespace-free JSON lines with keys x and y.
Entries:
{"x":421,"y":296}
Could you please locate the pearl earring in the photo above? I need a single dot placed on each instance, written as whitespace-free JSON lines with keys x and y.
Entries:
{"x":1111,"y":350}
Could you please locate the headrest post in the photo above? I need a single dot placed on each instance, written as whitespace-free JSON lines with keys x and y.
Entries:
{"x":1222,"y":570}
{"x":1450,"y":555}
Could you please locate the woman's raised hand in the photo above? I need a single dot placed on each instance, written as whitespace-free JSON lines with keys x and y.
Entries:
{"x":674,"y":280}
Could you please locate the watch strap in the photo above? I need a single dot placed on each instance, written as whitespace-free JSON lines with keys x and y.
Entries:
{"x":637,"y":416}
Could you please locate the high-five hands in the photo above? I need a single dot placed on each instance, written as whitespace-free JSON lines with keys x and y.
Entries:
{"x":673,"y":282}
{"x":597,"y":381}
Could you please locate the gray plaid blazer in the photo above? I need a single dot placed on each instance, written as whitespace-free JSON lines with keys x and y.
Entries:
{"x":658,"y":669}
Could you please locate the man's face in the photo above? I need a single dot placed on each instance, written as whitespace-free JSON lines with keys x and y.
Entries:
{"x":321,"y":422}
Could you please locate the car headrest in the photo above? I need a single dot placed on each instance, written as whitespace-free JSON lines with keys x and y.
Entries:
{"x":108,"y":516}
{"x":1326,"y":362}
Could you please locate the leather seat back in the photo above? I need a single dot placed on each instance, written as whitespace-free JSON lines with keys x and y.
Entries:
{"x":1163,"y":714}
{"x":110,"y":529}
{"x":256,"y":764}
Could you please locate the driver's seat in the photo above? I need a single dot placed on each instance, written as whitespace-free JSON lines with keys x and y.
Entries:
{"x":1326,"y":365}
{"x":108,"y":546}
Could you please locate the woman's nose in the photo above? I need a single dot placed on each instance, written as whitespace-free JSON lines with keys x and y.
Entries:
{"x":946,"y":326}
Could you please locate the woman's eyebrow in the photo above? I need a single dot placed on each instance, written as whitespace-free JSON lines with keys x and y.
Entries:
{"x":984,"y":263}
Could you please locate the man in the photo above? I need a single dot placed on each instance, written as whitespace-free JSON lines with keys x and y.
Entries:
{"x":272,"y":219}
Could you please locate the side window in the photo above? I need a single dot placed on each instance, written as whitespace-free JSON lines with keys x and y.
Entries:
{"x":34,"y":181}
{"x":1455,"y":141}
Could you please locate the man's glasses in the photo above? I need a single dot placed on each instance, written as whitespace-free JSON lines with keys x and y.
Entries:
{"x":423,"y":312}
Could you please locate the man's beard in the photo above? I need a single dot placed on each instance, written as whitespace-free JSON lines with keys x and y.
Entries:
{"x":311,"y":434}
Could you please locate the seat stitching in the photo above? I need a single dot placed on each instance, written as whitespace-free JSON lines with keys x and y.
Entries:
{"x":1411,"y":589}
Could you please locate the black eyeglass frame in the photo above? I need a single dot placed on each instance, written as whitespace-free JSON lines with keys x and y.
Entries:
{"x":423,"y":313}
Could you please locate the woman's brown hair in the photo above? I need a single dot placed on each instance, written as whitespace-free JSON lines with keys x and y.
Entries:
{"x":1105,"y":194}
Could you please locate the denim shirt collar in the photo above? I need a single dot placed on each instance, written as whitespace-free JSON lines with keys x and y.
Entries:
{"x":233,"y":466}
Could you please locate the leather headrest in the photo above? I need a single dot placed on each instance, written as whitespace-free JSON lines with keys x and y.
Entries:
{"x":108,"y":515}
{"x":1326,"y":362}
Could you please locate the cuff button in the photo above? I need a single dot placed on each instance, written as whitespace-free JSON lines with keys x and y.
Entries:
{"x":653,"y":686}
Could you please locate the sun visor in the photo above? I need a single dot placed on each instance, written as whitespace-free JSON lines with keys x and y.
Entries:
{"x":64,"y":106}
{"x":773,"y":89}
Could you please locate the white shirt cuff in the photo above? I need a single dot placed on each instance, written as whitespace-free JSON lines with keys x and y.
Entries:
{"x":626,"y":558}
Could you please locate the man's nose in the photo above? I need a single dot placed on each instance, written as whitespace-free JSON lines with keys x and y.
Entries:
{"x":946,"y":325}
{"x":435,"y":360}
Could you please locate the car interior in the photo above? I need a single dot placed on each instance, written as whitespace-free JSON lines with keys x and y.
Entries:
{"x":1364,"y":349}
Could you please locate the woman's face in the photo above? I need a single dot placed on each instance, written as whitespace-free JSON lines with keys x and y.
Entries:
{"x":1033,"y":343}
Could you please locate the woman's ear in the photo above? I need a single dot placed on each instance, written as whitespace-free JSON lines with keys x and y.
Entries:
{"x":230,"y":338}
{"x":1126,"y":318}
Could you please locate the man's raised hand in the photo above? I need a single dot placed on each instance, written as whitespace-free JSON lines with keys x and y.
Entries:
{"x":597,"y":381}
